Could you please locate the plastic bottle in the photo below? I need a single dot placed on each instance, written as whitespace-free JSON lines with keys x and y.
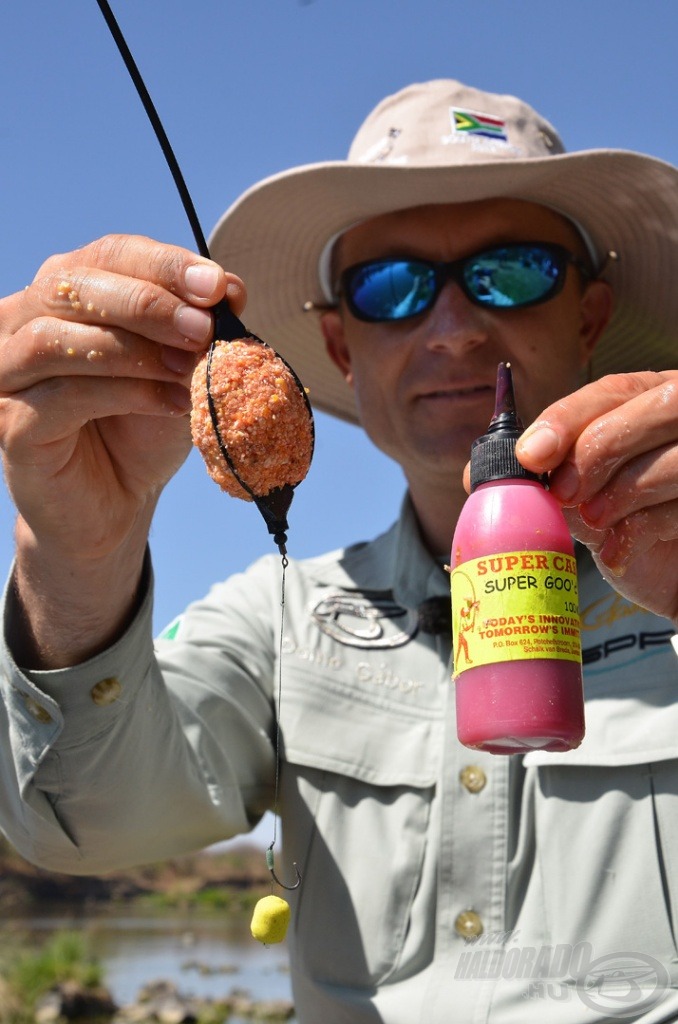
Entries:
{"x":515,"y":613}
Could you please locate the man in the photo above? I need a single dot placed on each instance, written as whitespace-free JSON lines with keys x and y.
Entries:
{"x":439,"y":883}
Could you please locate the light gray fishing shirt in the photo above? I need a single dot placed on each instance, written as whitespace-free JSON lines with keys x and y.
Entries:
{"x":440,"y":884}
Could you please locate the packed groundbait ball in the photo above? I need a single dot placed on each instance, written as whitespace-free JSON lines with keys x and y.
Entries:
{"x":262,"y":415}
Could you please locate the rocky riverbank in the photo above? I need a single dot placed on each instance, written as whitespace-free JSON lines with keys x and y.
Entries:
{"x":158,"y":1003}
{"x":230,"y":880}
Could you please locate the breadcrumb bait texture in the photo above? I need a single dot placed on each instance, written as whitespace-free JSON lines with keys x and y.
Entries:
{"x":270,"y":919}
{"x":263,"y":419}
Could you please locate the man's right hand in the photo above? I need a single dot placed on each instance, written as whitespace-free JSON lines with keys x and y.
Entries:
{"x":96,"y":357}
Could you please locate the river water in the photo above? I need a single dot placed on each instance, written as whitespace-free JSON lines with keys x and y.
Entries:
{"x":205,"y":956}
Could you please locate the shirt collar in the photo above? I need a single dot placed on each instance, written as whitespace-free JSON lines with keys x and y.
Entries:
{"x":397,"y":562}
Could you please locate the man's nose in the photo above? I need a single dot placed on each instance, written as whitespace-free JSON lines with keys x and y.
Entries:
{"x":454,"y":321}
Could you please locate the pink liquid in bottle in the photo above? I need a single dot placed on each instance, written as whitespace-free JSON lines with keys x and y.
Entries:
{"x":517,"y":655}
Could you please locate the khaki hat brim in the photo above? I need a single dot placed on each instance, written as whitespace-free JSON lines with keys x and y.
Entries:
{"x":274,"y":235}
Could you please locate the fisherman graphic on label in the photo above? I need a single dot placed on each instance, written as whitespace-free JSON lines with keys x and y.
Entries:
{"x":466,"y":623}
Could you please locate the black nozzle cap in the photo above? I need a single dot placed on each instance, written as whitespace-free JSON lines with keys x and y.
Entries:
{"x":493,"y":455}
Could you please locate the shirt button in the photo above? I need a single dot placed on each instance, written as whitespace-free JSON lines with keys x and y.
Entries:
{"x":106,"y":692}
{"x":473,"y":778}
{"x":468,"y":924}
{"x":36,"y":710}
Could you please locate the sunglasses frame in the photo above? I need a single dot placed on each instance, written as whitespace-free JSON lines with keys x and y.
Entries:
{"x":454,"y":271}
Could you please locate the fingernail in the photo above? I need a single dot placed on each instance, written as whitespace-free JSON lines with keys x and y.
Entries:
{"x":234,"y":292}
{"x":193,"y":324}
{"x":565,"y":482}
{"x":201,"y":280}
{"x":177,"y":359}
{"x":615,"y":553}
{"x":593,"y":509}
{"x":540,"y":445}
{"x":179,"y":397}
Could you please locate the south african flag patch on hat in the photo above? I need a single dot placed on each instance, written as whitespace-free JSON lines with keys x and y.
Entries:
{"x":470,"y":122}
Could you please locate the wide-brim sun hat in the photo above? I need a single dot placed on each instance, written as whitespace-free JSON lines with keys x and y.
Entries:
{"x":444,"y":142}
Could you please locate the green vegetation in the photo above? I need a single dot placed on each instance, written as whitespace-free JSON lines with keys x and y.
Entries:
{"x":65,"y":963}
{"x":228,"y":881}
{"x":27,"y":974}
{"x":217,"y":898}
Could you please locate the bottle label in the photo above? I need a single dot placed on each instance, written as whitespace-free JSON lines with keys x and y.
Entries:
{"x":514,"y":606}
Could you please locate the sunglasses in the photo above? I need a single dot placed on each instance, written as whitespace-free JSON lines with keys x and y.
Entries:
{"x":504,"y":277}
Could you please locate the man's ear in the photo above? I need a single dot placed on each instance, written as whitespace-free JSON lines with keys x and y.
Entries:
{"x":596,"y":310}
{"x":332,"y":326}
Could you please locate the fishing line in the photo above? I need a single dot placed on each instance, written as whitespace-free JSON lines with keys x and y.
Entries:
{"x":273,"y":506}
{"x":276,"y":788}
{"x":158,"y":128}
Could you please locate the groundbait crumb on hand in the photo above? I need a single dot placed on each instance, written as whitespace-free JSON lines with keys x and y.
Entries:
{"x":270,"y":919}
{"x":262,"y":415}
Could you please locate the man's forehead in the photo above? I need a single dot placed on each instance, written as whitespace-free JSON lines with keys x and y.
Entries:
{"x":458,"y":227}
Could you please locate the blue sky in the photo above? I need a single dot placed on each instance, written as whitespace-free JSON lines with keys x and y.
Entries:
{"x":248,"y":88}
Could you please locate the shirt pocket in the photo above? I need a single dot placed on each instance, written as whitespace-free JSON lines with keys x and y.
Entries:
{"x":613,"y":881}
{"x":357,"y":787}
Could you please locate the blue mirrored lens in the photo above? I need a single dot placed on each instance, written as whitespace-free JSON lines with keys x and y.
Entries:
{"x":511,"y":277}
{"x":393,"y":289}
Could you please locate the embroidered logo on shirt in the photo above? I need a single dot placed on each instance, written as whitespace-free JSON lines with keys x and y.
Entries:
{"x":361,"y":620}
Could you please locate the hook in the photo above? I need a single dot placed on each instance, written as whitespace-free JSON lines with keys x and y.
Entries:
{"x":270,"y":866}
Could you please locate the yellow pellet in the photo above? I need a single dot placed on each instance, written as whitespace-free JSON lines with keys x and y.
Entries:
{"x":270,"y":919}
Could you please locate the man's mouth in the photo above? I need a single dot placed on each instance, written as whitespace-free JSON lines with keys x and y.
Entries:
{"x":456,"y":392}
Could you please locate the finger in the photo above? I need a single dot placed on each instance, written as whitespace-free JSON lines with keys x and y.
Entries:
{"x":635,"y":535}
{"x":100,"y":298}
{"x":586,"y":437}
{"x":645,"y":481}
{"x":178,"y":270}
{"x":49,"y":347}
{"x":134,"y":283}
{"x":57,"y":408}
